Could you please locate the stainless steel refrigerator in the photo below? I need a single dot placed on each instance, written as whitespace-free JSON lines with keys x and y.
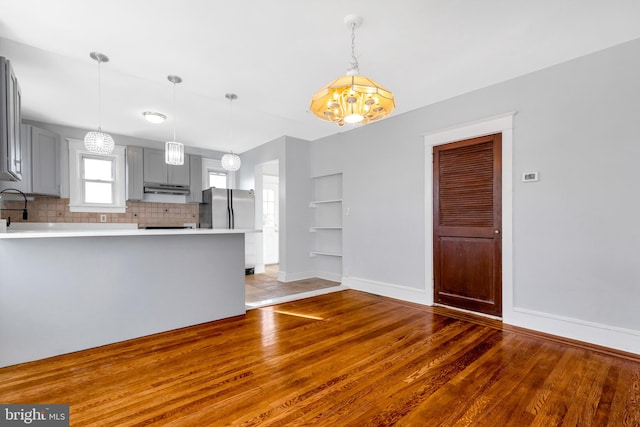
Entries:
{"x":231,"y":209}
{"x":227,"y":208}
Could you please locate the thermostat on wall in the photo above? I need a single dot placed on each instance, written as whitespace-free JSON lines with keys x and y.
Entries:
{"x":530,"y":177}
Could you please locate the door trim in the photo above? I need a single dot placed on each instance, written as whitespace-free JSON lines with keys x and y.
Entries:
{"x":498,"y":124}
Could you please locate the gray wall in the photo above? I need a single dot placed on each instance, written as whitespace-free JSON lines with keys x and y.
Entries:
{"x":576,"y":234}
{"x":292,"y":155}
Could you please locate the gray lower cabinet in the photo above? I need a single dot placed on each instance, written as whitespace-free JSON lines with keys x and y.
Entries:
{"x":40,"y":150}
{"x":157,"y":171}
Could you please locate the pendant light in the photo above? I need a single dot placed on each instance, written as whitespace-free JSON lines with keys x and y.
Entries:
{"x":230,"y":161}
{"x":174,"y":150}
{"x":352,"y":98}
{"x":97,"y":141}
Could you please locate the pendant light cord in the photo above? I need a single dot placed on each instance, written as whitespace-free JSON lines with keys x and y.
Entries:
{"x":99,"y":98}
{"x":231,"y":120}
{"x":354,"y":64}
{"x":174,"y":111}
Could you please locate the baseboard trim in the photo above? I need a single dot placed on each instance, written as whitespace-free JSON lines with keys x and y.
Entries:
{"x":400,"y":292}
{"x":626,"y":340}
{"x":332,"y":277}
{"x":588,"y":333}
{"x":283,"y":276}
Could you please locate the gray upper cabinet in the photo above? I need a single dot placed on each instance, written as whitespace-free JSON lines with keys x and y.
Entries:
{"x":155,"y":169}
{"x":158,"y":172}
{"x":40,"y":150}
{"x":179,"y":175}
{"x":195,"y":187}
{"x":11,"y":162}
{"x":45,"y":162}
{"x":135,"y":178}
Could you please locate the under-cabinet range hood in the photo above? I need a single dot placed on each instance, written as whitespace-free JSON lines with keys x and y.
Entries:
{"x":155,"y":188}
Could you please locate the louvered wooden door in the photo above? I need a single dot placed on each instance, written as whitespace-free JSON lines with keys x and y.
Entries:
{"x":467,"y":221}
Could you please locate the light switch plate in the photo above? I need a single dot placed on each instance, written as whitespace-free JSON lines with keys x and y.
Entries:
{"x":530,"y":177}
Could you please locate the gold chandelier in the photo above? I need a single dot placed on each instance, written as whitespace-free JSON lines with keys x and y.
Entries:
{"x":352,"y":98}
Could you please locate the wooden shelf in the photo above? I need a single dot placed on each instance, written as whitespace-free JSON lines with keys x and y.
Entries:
{"x":314,"y":229}
{"x":314,"y":253}
{"x":321,"y":202}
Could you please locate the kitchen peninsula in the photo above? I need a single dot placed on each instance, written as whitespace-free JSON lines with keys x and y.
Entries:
{"x":67,"y":290}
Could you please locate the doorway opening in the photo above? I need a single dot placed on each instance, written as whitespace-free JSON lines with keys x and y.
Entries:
{"x":263,"y":288}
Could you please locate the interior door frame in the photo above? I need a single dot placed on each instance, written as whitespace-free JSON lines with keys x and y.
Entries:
{"x":498,"y":124}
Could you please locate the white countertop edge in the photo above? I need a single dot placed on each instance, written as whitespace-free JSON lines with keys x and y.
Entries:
{"x":122,"y":232}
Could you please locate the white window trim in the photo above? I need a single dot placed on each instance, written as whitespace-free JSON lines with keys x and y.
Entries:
{"x":76,"y":204}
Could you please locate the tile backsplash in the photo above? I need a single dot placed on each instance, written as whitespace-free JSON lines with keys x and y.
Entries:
{"x":54,"y":209}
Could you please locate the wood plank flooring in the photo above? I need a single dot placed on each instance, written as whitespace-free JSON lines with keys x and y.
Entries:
{"x":342,"y":359}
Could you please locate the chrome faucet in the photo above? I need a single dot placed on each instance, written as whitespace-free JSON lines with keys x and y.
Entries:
{"x":25,"y":214}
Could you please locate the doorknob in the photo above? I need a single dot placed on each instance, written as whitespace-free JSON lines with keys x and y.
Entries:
{"x":497,"y":231}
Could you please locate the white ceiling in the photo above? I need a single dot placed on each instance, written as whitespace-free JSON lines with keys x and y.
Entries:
{"x":275,"y":54}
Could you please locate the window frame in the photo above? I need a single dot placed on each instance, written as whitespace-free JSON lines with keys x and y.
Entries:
{"x":77,"y":153}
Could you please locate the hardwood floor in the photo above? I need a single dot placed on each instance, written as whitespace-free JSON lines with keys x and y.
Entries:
{"x":342,"y":359}
{"x":265,"y":286}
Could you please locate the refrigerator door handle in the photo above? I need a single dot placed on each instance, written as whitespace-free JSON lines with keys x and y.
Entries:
{"x":233,"y":215}
{"x":229,"y":210}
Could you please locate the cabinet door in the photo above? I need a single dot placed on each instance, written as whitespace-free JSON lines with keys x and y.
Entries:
{"x":179,"y":175}
{"x":45,"y":162}
{"x":155,"y":169}
{"x":24,"y":184}
{"x":10,"y":119}
{"x":135,"y":167}
{"x":195,"y":186}
{"x":15,"y":98}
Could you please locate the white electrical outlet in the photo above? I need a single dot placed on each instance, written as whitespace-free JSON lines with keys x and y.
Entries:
{"x":103,"y":218}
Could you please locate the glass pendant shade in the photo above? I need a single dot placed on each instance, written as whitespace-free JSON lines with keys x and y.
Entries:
{"x":98,"y":142}
{"x":174,"y":153}
{"x":352,"y":99}
{"x":231,"y":162}
{"x":174,"y":150}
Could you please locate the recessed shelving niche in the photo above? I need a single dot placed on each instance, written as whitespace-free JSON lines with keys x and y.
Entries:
{"x":327,"y":226}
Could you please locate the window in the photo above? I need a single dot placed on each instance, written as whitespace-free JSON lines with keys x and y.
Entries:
{"x":97,"y":179}
{"x":269,"y":208}
{"x":217,"y":179}
{"x":96,"y":182}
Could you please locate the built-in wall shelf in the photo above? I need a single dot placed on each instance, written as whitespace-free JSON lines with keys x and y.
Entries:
{"x":326,"y":225}
{"x":314,"y":253}
{"x":314,"y":229}
{"x":321,"y":202}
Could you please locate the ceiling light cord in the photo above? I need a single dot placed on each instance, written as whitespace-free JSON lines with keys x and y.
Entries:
{"x":230,"y":119}
{"x":99,"y":97}
{"x":174,"y":111}
{"x":355,"y":67}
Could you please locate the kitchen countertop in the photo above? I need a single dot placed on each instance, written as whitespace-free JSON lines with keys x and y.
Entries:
{"x":44,"y":230}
